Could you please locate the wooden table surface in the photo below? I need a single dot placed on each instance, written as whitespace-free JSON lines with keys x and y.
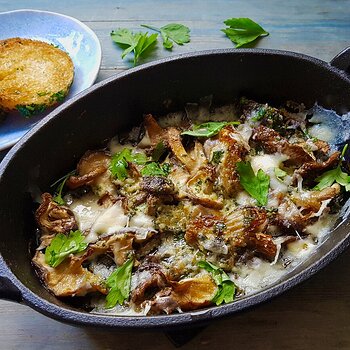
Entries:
{"x":314,"y":315}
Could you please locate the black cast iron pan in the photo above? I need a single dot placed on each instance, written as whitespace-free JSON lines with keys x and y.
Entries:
{"x":53,"y":147}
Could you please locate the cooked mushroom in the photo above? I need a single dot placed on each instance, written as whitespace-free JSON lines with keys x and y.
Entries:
{"x":273,"y":142}
{"x":309,"y":171}
{"x":263,"y":245}
{"x":234,"y":151}
{"x":193,"y":293}
{"x":153,"y":133}
{"x":152,"y":281}
{"x":157,"y":185}
{"x":312,"y":200}
{"x":91,"y":170}
{"x":206,"y":233}
{"x":178,"y":149}
{"x":201,"y":188}
{"x":70,"y":278}
{"x":187,"y":294}
{"x":53,"y":218}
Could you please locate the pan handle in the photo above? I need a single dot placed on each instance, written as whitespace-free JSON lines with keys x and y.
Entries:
{"x":8,"y":290}
{"x":342,"y":60}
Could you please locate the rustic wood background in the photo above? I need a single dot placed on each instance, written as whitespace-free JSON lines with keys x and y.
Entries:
{"x":315,"y":314}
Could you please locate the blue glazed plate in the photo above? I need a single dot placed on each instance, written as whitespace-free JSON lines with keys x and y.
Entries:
{"x":69,"y":34}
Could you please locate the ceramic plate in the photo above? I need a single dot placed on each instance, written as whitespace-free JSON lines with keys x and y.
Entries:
{"x":67,"y":33}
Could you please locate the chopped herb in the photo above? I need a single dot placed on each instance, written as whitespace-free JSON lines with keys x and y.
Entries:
{"x":226,"y":288}
{"x":217,"y":156}
{"x":118,"y":167}
{"x":308,"y":136}
{"x":335,"y":175}
{"x":280,"y":174}
{"x":57,"y":96}
{"x":58,"y":194}
{"x":158,"y":151}
{"x":119,"y":283}
{"x":219,"y":227}
{"x":119,"y":162}
{"x":30,"y":110}
{"x":172,"y":32}
{"x":259,"y":114}
{"x":63,"y":245}
{"x":256,"y":185}
{"x":242,"y":31}
{"x":208,"y":129}
{"x":42,"y":93}
{"x":155,"y":169}
{"x":134,"y":42}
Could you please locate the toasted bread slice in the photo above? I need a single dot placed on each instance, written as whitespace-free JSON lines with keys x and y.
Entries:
{"x":33,"y":75}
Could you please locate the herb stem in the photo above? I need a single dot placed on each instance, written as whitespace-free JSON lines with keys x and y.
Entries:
{"x":150,"y":27}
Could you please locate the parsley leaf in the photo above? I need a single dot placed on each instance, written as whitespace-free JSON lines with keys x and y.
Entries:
{"x":134,"y":42}
{"x":58,"y":193}
{"x":217,"y":156}
{"x":226,"y":287}
{"x":172,"y":32}
{"x":256,"y":185}
{"x":208,"y":129}
{"x":280,"y":174}
{"x":119,"y":162}
{"x":119,"y":283}
{"x":63,"y":245}
{"x":335,"y":175}
{"x":154,"y":169}
{"x":242,"y":31}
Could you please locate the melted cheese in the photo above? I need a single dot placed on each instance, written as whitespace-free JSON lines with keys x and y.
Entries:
{"x":244,"y":199}
{"x":110,"y":221}
{"x":268,"y":163}
{"x":245,"y":131}
{"x":86,"y":210}
{"x":322,"y":132}
{"x":141,"y":220}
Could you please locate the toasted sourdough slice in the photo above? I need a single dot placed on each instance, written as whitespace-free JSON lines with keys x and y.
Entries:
{"x":33,"y":75}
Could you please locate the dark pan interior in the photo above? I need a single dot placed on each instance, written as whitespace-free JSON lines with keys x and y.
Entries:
{"x":86,"y":122}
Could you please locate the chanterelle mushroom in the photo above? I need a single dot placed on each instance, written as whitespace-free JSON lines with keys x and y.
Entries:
{"x":53,"y":219}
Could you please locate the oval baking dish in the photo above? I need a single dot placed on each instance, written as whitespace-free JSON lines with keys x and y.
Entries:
{"x":85,"y":122}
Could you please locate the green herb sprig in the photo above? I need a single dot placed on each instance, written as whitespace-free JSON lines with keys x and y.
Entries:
{"x":256,"y":185}
{"x":226,"y":288}
{"x":280,"y":174}
{"x":137,"y":43}
{"x":335,"y":175}
{"x":155,"y":169}
{"x":208,"y":129}
{"x":119,"y":162}
{"x":242,"y":31}
{"x":63,"y":245}
{"x":119,"y":283}
{"x":58,"y":193}
{"x":172,"y":33}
